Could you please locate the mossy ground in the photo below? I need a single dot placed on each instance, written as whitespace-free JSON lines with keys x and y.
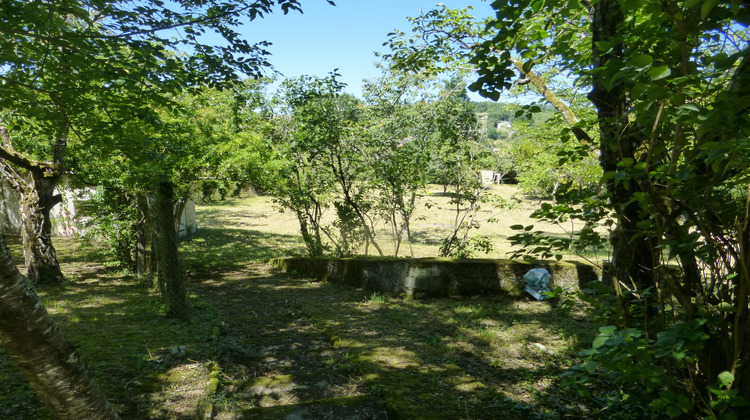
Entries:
{"x":261,"y":344}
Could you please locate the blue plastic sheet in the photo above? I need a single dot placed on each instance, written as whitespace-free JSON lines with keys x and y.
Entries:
{"x":537,"y":282}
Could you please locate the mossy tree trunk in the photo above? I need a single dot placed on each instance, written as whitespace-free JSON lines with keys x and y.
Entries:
{"x":632,"y":253}
{"x":37,"y":191}
{"x":170,"y":279}
{"x":42,"y":266}
{"x":32,"y":339}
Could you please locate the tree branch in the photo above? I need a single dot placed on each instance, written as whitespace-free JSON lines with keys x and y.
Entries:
{"x":560,"y":106}
{"x":12,"y":177}
{"x":9,"y":154}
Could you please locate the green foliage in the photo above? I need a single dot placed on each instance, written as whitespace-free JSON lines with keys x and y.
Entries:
{"x":112,"y":218}
{"x":547,"y":157}
{"x":377,"y":297}
{"x":670,"y":85}
{"x":582,"y":214}
{"x":725,"y":399}
{"x":635,"y":362}
{"x":468,"y":247}
{"x":315,"y":163}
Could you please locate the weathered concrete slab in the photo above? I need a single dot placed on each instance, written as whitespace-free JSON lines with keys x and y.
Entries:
{"x":437,"y":277}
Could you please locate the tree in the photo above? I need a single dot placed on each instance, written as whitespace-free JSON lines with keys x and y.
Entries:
{"x":72,"y":70}
{"x":324,"y":140}
{"x":546,"y":159}
{"x":77,"y":71}
{"x":669,"y":82}
{"x":403,"y":114}
{"x":37,"y":200}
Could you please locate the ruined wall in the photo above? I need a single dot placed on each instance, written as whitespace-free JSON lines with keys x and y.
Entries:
{"x":438,"y":277}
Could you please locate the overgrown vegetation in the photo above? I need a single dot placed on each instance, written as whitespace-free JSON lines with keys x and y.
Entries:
{"x":639,"y":138}
{"x":658,"y":92}
{"x":274,"y":342}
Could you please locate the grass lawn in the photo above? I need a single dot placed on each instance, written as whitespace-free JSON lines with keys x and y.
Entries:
{"x":432,"y":222}
{"x":261,"y":344}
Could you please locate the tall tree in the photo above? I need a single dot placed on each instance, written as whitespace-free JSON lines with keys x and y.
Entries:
{"x":326,"y":133}
{"x":72,"y":70}
{"x":76,"y":71}
{"x":35,"y":182}
{"x":669,"y":82}
{"x":401,"y":140}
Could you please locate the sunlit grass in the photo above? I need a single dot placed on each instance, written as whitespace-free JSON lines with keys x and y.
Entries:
{"x":432,"y":222}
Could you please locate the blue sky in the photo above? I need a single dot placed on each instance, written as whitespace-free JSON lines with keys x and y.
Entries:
{"x":346,"y":36}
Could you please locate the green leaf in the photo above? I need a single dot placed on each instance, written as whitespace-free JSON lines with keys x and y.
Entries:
{"x":599,"y":341}
{"x":644,"y":224}
{"x":659,"y":72}
{"x":603,"y":46}
{"x":517,"y":227}
{"x":527,"y":65}
{"x":608,"y":329}
{"x":726,"y":379}
{"x":628,"y":5}
{"x":626,"y":162}
{"x":673,"y":412}
{"x":684,"y":403}
{"x":591,"y":366}
{"x":605,"y":333}
{"x":640,"y":61}
{"x":690,"y":107}
{"x":725,"y":307}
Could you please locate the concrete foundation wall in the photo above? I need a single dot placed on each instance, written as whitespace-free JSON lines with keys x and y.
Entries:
{"x":438,"y":277}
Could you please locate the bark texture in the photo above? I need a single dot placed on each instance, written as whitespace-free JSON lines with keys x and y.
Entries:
{"x":632,"y":253}
{"x":37,"y":190}
{"x":37,"y":345}
{"x":170,"y":280}
{"x":42,"y":266}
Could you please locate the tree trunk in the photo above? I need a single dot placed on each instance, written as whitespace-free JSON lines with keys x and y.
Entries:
{"x":42,"y":266}
{"x":312,"y":241}
{"x":169,"y":274}
{"x":37,"y":200}
{"x":632,"y":256}
{"x":37,"y":345}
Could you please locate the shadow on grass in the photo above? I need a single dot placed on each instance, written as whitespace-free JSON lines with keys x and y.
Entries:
{"x":475,"y":365}
{"x":278,"y":341}
{"x":119,"y":329}
{"x":213,"y":249}
{"x":283,"y":342}
{"x":445,"y":359}
{"x":430,"y":237}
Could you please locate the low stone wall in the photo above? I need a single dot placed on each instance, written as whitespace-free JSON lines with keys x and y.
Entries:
{"x":437,"y":277}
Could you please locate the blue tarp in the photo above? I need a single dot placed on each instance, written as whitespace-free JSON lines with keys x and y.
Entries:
{"x":537,"y":282}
